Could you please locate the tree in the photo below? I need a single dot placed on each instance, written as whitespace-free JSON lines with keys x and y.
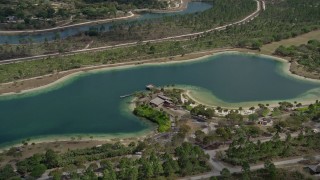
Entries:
{"x":170,"y":166}
{"x":245,"y":170}
{"x":133,"y":173}
{"x":225,"y":173}
{"x":271,"y":169}
{"x":184,"y":130}
{"x":168,"y":169}
{"x":256,"y":45}
{"x":157,"y":168}
{"x":38,"y":170}
{"x":52,"y":159}
{"x":89,"y":175}
{"x":253,"y":117}
{"x":199,"y":135}
{"x":109,"y":174}
{"x":50,"y":12}
{"x":7,"y":172}
{"x":152,"y":49}
{"x":147,"y":170}
{"x":56,"y":174}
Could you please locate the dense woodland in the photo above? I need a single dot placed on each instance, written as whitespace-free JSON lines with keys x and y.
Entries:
{"x":269,"y":172}
{"x":307,"y":55}
{"x":37,"y":14}
{"x":222,"y":12}
{"x":115,"y":162}
{"x":235,"y":125}
{"x":245,"y":151}
{"x":202,"y":110}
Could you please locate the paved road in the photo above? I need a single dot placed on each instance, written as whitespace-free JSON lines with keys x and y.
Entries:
{"x":243,"y":21}
{"x":217,"y":165}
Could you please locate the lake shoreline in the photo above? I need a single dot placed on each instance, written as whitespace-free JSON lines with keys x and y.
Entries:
{"x":82,"y":138}
{"x":244,"y":105}
{"x":50,"y":80}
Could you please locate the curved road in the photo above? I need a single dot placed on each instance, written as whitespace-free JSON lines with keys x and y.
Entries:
{"x":131,"y":14}
{"x":247,"y":19}
{"x":218,"y":165}
{"x":67,"y":26}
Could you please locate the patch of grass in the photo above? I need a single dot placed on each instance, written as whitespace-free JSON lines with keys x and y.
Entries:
{"x":161,"y":118}
{"x":302,"y":39}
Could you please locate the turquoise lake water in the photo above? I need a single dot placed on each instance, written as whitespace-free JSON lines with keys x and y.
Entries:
{"x":90,"y":103}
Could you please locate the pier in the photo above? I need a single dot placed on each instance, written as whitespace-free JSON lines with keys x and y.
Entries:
{"x":127,"y":95}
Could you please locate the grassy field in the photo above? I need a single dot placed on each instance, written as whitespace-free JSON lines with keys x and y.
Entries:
{"x":302,"y":39}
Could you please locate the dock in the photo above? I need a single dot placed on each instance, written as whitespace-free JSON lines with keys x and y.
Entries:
{"x":150,"y":87}
{"x":127,"y":95}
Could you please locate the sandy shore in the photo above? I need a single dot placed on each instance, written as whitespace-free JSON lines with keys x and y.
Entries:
{"x":35,"y":84}
{"x":64,"y":144}
{"x":245,"y":105}
{"x":286,"y":68}
{"x":78,"y":138}
{"x":46,"y":81}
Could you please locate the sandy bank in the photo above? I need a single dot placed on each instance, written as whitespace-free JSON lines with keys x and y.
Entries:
{"x":36,"y":83}
{"x":65,"y":143}
{"x":53,"y":80}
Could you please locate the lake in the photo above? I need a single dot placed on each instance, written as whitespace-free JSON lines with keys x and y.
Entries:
{"x":89,"y":103}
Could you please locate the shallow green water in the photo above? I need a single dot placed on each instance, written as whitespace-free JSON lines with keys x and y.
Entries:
{"x":90,"y":103}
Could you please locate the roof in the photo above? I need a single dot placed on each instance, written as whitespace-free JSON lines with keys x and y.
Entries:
{"x":315,"y":168}
{"x":267,"y":120}
{"x":164,"y":97}
{"x":157,"y":101}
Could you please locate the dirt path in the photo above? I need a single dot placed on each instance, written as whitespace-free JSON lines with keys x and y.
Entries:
{"x":88,"y":45}
{"x":68,"y":26}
